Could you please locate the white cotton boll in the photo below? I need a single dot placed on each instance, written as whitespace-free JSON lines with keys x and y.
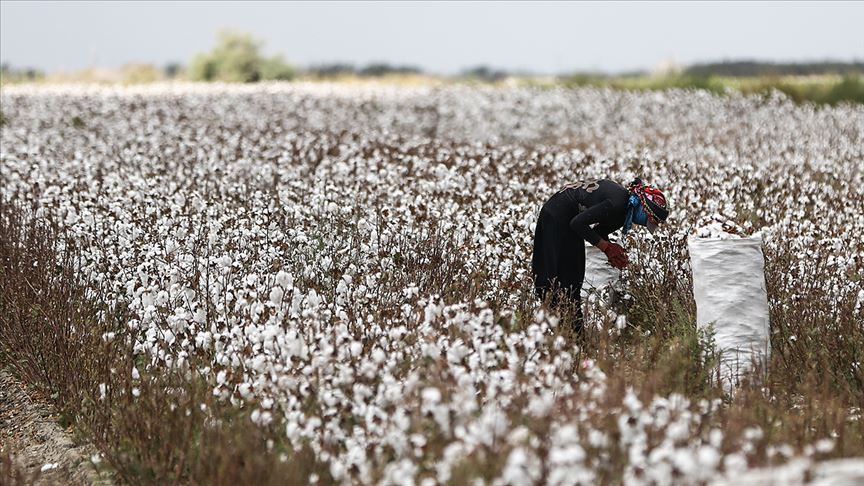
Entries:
{"x":735,"y":463}
{"x":708,"y":458}
{"x":341,"y":287}
{"x":631,"y":401}
{"x":431,"y":395}
{"x":135,"y":374}
{"x":245,"y":390}
{"x":715,"y":438}
{"x":136,"y":392}
{"x":312,"y":299}
{"x":108,"y":337}
{"x":262,"y":418}
{"x":400,"y":472}
{"x":355,"y":349}
{"x":276,"y":294}
{"x":203,"y":340}
{"x":785,"y":450}
{"x":255,"y":310}
{"x":752,"y":434}
{"x":47,"y":467}
{"x":259,"y":363}
{"x":378,"y":356}
{"x":170,"y":246}
{"x":177,"y":322}
{"x":161,"y":298}
{"x":71,"y":217}
{"x":685,"y":462}
{"x":824,"y":446}
{"x":597,"y":439}
{"x":621,"y":322}
{"x":559,"y":343}
{"x":678,"y":431}
{"x":570,"y":454}
{"x":522,"y":468}
{"x":518,"y":435}
{"x":456,"y":352}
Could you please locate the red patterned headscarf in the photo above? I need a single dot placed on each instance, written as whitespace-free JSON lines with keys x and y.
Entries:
{"x":652,"y":199}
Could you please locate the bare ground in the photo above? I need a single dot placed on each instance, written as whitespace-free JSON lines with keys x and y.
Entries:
{"x":42,"y":452}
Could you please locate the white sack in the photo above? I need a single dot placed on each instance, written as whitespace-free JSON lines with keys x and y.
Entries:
{"x":729,"y":288}
{"x":599,"y":274}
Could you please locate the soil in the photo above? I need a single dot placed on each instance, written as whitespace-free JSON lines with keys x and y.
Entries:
{"x":42,"y":451}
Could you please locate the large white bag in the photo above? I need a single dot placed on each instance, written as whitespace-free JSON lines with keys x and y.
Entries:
{"x":599,"y":274}
{"x":731,"y":301}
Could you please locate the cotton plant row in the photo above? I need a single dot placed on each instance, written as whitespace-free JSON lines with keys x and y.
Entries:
{"x":302,"y":239}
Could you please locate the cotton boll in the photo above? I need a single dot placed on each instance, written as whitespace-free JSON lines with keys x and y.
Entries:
{"x":708,"y":459}
{"x":734,"y":463}
{"x":276,"y":294}
{"x":522,"y":468}
{"x":261,"y":418}
{"x":431,"y":396}
{"x":355,"y":349}
{"x":161,"y":298}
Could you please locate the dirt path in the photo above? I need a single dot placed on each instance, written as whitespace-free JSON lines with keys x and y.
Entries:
{"x":40,"y":447}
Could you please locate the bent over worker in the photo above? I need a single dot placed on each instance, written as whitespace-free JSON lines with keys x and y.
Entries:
{"x":589,"y":211}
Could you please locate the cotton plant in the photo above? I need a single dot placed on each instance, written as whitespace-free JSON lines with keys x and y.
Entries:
{"x":299,"y":238}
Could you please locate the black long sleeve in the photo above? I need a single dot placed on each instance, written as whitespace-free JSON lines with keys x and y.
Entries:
{"x":596,"y":214}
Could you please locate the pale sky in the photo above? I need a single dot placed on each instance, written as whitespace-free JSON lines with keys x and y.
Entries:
{"x":438,"y":37}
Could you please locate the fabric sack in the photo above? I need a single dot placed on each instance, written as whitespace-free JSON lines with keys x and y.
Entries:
{"x":731,"y":301}
{"x":599,"y":274}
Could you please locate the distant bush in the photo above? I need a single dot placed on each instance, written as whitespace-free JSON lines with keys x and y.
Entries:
{"x":377,"y":69}
{"x":850,"y":89}
{"x":18,"y":75}
{"x":383,"y":69}
{"x":332,"y":70}
{"x":485,"y":73}
{"x":644,"y":82}
{"x":172,"y":70}
{"x":818,"y":90}
{"x":237,"y":58}
{"x":756,"y":68}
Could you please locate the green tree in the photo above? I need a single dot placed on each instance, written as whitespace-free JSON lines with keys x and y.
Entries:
{"x":237,"y":59}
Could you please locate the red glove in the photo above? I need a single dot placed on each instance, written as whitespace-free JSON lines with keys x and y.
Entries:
{"x":616,"y":255}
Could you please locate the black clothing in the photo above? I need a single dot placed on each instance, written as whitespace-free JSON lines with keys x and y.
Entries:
{"x":565,"y":223}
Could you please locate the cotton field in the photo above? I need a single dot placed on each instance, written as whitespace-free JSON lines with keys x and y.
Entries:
{"x":351,"y":265}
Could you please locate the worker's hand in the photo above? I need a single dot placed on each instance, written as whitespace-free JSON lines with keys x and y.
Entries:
{"x":616,"y":255}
